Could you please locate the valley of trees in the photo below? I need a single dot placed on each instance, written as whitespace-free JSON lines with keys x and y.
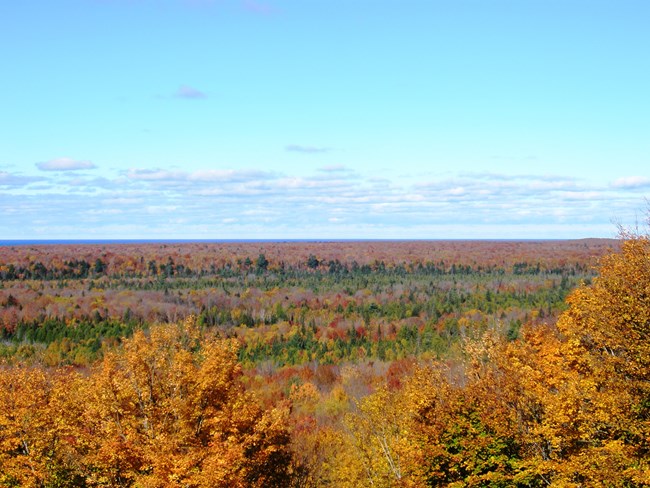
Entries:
{"x":342,"y":364}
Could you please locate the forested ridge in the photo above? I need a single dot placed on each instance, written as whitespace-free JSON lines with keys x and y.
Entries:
{"x":326,"y":364}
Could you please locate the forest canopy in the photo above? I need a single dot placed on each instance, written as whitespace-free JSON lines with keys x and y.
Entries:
{"x":301,"y":396}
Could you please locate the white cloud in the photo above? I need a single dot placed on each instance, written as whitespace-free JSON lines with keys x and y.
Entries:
{"x":227,"y":175}
{"x":155,"y":175}
{"x":104,"y":211}
{"x":13,"y":181}
{"x":157,"y":209}
{"x":335,"y":168}
{"x":459,"y":190}
{"x":213,"y":175}
{"x":631,"y":182}
{"x":329,"y":202}
{"x":64,"y":164}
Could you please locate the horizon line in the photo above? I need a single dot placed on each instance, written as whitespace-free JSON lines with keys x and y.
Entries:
{"x":25,"y":242}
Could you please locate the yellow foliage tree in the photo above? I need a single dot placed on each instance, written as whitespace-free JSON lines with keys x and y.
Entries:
{"x":564,"y":406}
{"x":606,"y":346}
{"x":579,"y":396}
{"x":168,"y":409}
{"x":36,"y":447}
{"x":24,"y":426}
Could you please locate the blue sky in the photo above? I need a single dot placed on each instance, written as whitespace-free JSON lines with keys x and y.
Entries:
{"x":315,"y":119}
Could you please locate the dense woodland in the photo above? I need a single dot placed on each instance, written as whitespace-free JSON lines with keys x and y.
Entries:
{"x":287,"y":303}
{"x":352,"y":364}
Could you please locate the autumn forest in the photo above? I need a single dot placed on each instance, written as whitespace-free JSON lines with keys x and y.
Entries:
{"x":326,"y":364}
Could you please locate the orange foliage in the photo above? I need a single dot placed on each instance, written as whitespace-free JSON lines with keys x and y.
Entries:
{"x":167,"y":409}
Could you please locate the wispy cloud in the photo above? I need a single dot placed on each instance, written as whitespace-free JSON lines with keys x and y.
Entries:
{"x":91,"y":183}
{"x":186,"y":91}
{"x":8,"y":180}
{"x":205,"y":176}
{"x":227,"y":175}
{"x":486,"y":175}
{"x":335,"y":168}
{"x":307,"y":149}
{"x":332,"y":201}
{"x":631,"y":182}
{"x":155,"y":175}
{"x":64,"y":164}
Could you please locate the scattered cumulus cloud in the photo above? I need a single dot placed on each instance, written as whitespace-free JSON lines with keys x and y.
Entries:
{"x":64,"y":164}
{"x":332,"y":201}
{"x":186,"y":91}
